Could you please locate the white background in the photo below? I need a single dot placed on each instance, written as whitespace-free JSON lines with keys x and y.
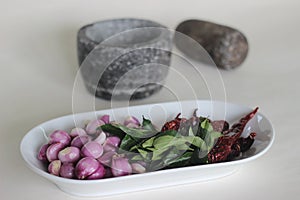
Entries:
{"x":38,"y":63}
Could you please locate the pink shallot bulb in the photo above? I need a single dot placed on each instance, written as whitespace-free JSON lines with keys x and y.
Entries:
{"x":67,"y":170}
{"x":92,"y":149}
{"x":106,"y":158}
{"x":54,"y":167}
{"x":52,"y":151}
{"x":93,"y":126}
{"x":59,"y":136}
{"x":79,"y":141}
{"x":98,"y":174}
{"x":113,"y":140}
{"x":101,"y":138}
{"x":42,"y":152}
{"x":85,"y":167}
{"x":120,"y":166}
{"x":138,"y":168}
{"x":105,"y":119}
{"x":132,"y":121}
{"x":69,"y":155}
{"x":77,"y":132}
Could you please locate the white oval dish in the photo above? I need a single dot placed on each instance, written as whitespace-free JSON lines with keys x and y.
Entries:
{"x":33,"y":140}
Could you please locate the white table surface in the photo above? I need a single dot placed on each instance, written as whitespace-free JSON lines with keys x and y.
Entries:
{"x":39,"y":64}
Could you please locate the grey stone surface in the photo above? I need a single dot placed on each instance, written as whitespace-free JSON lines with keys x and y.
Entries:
{"x":227,"y":47}
{"x":124,"y":58}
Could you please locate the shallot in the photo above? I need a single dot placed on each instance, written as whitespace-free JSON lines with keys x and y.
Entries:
{"x":69,"y":155}
{"x":105,"y":119}
{"x":79,"y":141}
{"x":98,"y":174}
{"x":53,"y":150}
{"x":59,"y":136}
{"x":42,"y":152}
{"x":120,"y":166}
{"x":92,"y":149}
{"x":106,"y":158}
{"x":85,"y":167}
{"x":77,"y":132}
{"x":67,"y":170}
{"x":93,"y":126}
{"x":132,"y":121}
{"x":54,"y":167}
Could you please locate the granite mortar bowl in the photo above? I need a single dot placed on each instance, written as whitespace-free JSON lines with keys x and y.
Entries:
{"x":124,"y":58}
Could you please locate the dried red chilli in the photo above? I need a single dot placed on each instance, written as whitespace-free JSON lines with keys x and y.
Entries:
{"x":173,"y":124}
{"x":246,"y":143}
{"x":239,"y":126}
{"x":220,"y":125}
{"x":181,"y":124}
{"x":230,"y":146}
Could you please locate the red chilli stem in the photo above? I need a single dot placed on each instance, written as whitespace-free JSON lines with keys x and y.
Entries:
{"x":177,"y":117}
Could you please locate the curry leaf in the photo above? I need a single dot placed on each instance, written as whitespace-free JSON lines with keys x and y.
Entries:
{"x":180,"y":142}
{"x":148,"y":143}
{"x":168,"y":132}
{"x":135,"y":132}
{"x":181,"y":161}
{"x":143,"y":153}
{"x":113,"y":130}
{"x":147,"y":125}
{"x":158,"y":154}
{"x":196,"y":141}
{"x":191,"y":133}
{"x":211,"y":138}
{"x":163,"y":141}
{"x":128,"y":142}
{"x":173,"y":154}
{"x":199,"y":157}
{"x":137,"y":157}
{"x":206,"y":125}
